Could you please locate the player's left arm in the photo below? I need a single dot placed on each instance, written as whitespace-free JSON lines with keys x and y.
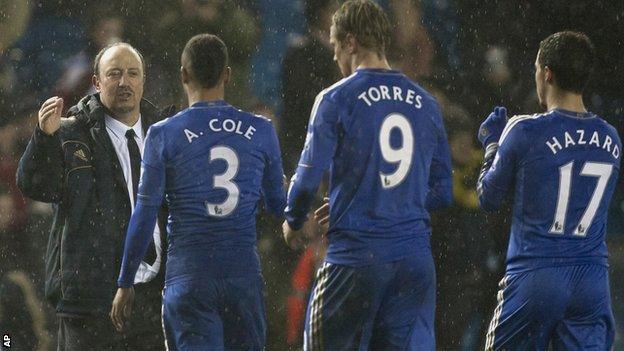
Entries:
{"x":503,"y":142}
{"x":273,"y":178}
{"x":440,"y":192}
{"x":141,"y":227}
{"x":315,"y":159}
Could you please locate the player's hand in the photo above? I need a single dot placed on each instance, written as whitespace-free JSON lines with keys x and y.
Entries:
{"x":321,"y":215}
{"x":122,"y":308}
{"x":492,"y":128}
{"x":50,"y":115}
{"x":295,"y":239}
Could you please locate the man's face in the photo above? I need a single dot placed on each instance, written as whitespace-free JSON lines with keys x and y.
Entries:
{"x":120,"y":80}
{"x":341,"y":56}
{"x":540,"y":83}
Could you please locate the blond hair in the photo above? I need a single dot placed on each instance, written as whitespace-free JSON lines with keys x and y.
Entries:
{"x":366,"y":21}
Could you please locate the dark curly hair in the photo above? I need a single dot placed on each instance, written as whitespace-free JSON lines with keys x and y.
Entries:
{"x":570,"y":56}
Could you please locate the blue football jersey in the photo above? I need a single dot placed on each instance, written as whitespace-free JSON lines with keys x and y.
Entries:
{"x":383,"y":139}
{"x":213,"y":163}
{"x":563,"y":167}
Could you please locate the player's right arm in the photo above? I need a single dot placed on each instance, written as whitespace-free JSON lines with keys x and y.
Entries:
{"x":500,"y":166}
{"x":440,"y":192}
{"x":141,"y":227}
{"x":40,"y":170}
{"x":273,"y":178}
{"x":315,"y":159}
{"x":149,"y":200}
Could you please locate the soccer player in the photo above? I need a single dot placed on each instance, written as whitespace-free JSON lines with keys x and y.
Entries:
{"x":563,"y":165}
{"x":213,"y":163}
{"x":383,"y":139}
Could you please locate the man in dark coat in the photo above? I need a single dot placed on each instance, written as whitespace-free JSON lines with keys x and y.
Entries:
{"x":88,"y":166}
{"x":308,"y":68}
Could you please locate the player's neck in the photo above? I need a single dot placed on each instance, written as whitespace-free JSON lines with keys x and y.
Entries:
{"x":369,"y":59}
{"x":565,"y":100}
{"x":197,"y":95}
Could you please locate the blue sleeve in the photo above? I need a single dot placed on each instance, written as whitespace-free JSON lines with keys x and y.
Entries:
{"x":440,"y":192}
{"x":499,"y":167}
{"x":149,"y":199}
{"x":273,"y":178}
{"x":316,"y":158}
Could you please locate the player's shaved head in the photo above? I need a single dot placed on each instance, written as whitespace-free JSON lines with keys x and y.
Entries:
{"x":570,"y":56}
{"x":366,"y":21}
{"x":205,"y":57}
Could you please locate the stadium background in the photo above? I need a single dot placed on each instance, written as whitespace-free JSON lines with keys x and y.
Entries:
{"x":471,"y":54}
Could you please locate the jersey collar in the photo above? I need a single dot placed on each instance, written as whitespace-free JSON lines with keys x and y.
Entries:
{"x":210,"y":103}
{"x":574,"y":113}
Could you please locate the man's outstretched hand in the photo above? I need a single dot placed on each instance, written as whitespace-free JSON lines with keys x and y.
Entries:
{"x":295,"y":239}
{"x":321,"y":215}
{"x":50,"y":115}
{"x":122,"y":308}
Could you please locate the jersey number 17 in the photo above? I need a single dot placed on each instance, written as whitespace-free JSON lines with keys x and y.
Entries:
{"x":602,"y":171}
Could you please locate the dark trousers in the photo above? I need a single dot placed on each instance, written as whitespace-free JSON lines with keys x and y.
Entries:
{"x":143,"y":332}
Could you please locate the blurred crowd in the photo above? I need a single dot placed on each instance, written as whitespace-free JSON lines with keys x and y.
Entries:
{"x":472,"y":55}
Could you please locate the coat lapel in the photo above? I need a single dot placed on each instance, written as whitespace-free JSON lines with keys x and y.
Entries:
{"x":109,"y":156}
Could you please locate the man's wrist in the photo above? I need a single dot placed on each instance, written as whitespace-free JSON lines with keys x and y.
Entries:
{"x":124,"y":285}
{"x":40,"y":134}
{"x":295,"y":225}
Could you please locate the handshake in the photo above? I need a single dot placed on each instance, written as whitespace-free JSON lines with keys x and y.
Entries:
{"x":297,"y":239}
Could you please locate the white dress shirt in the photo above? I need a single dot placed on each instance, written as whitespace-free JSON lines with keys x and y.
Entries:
{"x":117,"y":133}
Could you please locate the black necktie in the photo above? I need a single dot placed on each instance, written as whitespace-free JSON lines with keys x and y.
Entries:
{"x":135,"y":162}
{"x":135,"y":168}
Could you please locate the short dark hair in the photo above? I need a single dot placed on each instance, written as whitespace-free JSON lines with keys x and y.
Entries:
{"x":366,"y":21}
{"x":570,"y":56}
{"x":98,"y":57}
{"x":207,"y":57}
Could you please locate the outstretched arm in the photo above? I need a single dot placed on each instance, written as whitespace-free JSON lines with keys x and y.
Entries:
{"x":149,"y":200}
{"x":315,"y":159}
{"x":440,"y":174}
{"x":41,"y":167}
{"x":141,"y":227}
{"x":273,"y":178}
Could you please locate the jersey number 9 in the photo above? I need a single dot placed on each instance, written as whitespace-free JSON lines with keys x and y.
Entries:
{"x":402,"y":155}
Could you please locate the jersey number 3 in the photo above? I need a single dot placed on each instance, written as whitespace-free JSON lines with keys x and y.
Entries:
{"x":401,"y":155}
{"x":602,"y":171}
{"x":224,"y":181}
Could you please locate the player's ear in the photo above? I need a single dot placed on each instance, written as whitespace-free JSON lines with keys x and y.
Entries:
{"x":350,"y":43}
{"x":184,"y":75}
{"x":96,"y":82}
{"x":227,"y":73}
{"x":548,"y":75}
